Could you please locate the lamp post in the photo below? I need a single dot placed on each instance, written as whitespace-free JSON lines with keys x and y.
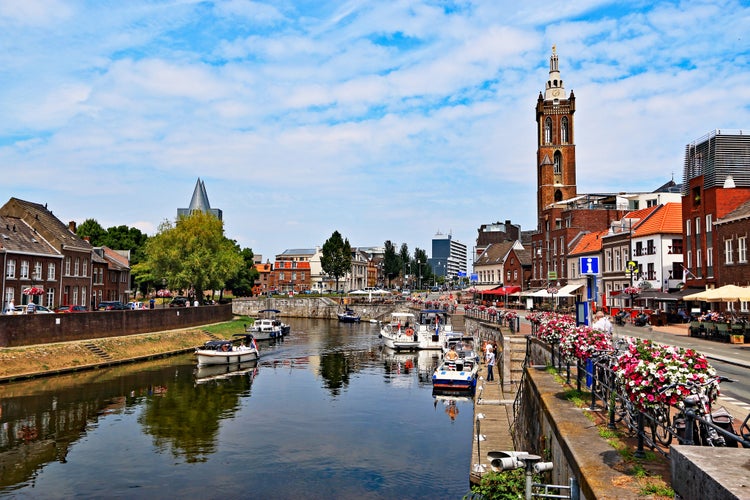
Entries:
{"x":164,"y":292}
{"x":419,"y":283}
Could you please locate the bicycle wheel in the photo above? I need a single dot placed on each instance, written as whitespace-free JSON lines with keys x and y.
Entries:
{"x":660,"y":431}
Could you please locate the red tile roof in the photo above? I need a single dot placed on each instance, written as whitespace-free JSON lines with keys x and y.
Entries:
{"x":667,"y":219}
{"x":589,"y":243}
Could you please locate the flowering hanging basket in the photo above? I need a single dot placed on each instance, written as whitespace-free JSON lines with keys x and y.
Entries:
{"x":33,"y":290}
{"x":654,"y":374}
{"x":631,"y":290}
{"x":552,"y":327}
{"x":583,"y":341}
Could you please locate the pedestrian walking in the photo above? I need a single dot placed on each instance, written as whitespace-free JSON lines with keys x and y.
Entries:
{"x":490,"y":366}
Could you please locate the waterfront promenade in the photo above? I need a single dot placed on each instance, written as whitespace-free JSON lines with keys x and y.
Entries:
{"x":494,"y":402}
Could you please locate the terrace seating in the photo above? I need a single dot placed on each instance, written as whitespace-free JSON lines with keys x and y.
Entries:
{"x":697,"y":329}
{"x":721,"y":332}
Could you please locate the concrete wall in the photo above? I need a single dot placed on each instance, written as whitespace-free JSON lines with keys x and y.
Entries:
{"x":550,"y":426}
{"x":31,"y":329}
{"x":314,"y":307}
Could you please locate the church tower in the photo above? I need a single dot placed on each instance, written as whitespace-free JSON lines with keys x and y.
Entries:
{"x":556,"y":151}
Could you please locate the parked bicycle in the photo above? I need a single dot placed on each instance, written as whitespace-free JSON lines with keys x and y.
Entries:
{"x":697,"y":422}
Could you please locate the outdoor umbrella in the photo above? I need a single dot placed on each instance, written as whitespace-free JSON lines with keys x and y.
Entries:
{"x":703,"y":296}
{"x":729,"y":293}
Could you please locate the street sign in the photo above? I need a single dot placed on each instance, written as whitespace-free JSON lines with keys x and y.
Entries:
{"x":589,"y":265}
{"x":551,"y":275}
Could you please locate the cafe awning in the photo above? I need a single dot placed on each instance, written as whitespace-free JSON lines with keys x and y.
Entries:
{"x":503,"y":290}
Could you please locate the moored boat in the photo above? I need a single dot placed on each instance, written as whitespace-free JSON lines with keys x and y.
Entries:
{"x":433,"y":326}
{"x":459,"y":375}
{"x":349,"y":316}
{"x":225,"y":352}
{"x":399,"y":333}
{"x":267,"y":326}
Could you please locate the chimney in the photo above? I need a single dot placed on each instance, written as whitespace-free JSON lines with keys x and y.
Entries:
{"x":87,"y":238}
{"x":72,"y":226}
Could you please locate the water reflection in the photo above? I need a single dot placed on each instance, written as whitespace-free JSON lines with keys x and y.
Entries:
{"x":344,"y":416}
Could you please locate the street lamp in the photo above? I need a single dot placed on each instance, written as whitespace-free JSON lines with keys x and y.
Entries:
{"x":164,"y":292}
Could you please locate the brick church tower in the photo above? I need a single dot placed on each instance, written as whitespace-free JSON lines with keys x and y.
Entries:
{"x":556,"y":150}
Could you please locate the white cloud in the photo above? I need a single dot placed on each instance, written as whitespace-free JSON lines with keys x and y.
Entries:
{"x":383,"y":120}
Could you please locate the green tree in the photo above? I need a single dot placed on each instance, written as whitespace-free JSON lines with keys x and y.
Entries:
{"x":242,"y":284}
{"x":391,"y":262}
{"x":336,"y":258}
{"x":193,"y":253}
{"x":92,"y":230}
{"x":423,"y":270}
{"x":403,"y":257}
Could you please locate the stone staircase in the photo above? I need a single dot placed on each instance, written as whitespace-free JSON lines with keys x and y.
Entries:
{"x":98,"y":351}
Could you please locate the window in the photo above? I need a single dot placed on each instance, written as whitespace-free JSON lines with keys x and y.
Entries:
{"x":51,"y":271}
{"x":650,"y":248}
{"x":77,"y":267}
{"x":85,"y":270}
{"x":564,"y":130}
{"x":67,"y":266}
{"x":638,"y":249}
{"x":708,"y":223}
{"x":84,"y":296}
{"x":687,"y":228}
{"x":24,"y":270}
{"x":650,"y":271}
{"x":699,"y":263}
{"x":618,"y":262}
{"x":9,"y":294}
{"x":728,"y":252}
{"x":608,"y":260}
{"x":38,"y":271}
{"x":50,"y":297}
{"x":709,"y":262}
{"x":742,"y":249}
{"x":689,"y":259}
{"x":697,"y":225}
{"x":10,"y":269}
{"x":558,"y":163}
{"x":75,"y":295}
{"x":548,"y":130}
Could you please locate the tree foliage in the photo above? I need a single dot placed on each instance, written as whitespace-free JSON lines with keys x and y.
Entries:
{"x":242,"y":284}
{"x":336,"y":258}
{"x":193,"y":253}
{"x":391,"y":262}
{"x":423,"y":270}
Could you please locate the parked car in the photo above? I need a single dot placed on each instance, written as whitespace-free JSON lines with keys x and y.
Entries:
{"x":39,"y":310}
{"x":179,"y":302}
{"x":111,"y":305}
{"x":137,"y":305}
{"x":70,"y":309}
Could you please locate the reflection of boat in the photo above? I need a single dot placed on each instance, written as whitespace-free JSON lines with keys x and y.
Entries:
{"x":224,"y":352}
{"x":206,"y":373}
{"x":450,"y":400}
{"x":267,"y":326}
{"x":459,"y":375}
{"x":399,"y":362}
{"x":432,"y":329}
{"x":349,"y":316}
{"x":399,"y":333}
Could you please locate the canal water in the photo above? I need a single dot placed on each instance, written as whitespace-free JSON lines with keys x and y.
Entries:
{"x":327,"y":413}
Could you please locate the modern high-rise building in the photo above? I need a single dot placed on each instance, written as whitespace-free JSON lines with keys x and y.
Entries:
{"x":448,"y":256}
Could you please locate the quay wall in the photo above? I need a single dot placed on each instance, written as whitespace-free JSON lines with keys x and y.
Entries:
{"x":22,"y":330}
{"x":314,"y":307}
{"x":549,"y":425}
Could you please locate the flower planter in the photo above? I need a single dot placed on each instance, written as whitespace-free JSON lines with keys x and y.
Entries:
{"x":737,"y":339}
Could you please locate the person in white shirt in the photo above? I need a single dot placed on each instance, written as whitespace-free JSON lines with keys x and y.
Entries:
{"x":602,"y":323}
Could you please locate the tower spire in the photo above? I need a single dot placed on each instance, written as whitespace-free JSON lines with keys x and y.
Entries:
{"x":554,"y":88}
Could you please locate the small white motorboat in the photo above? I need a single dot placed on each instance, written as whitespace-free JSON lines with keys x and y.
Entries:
{"x":224,"y":352}
{"x":399,"y":333}
{"x":267,"y":326}
{"x":458,"y":375}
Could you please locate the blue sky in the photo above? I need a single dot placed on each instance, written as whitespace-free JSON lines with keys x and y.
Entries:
{"x":384,"y":120}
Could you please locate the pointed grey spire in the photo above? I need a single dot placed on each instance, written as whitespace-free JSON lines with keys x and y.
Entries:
{"x":199,"y":201}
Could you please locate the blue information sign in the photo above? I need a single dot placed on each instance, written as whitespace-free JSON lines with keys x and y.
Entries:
{"x":589,"y":265}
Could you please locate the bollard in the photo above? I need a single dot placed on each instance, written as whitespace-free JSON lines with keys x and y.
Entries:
{"x":639,"y":452}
